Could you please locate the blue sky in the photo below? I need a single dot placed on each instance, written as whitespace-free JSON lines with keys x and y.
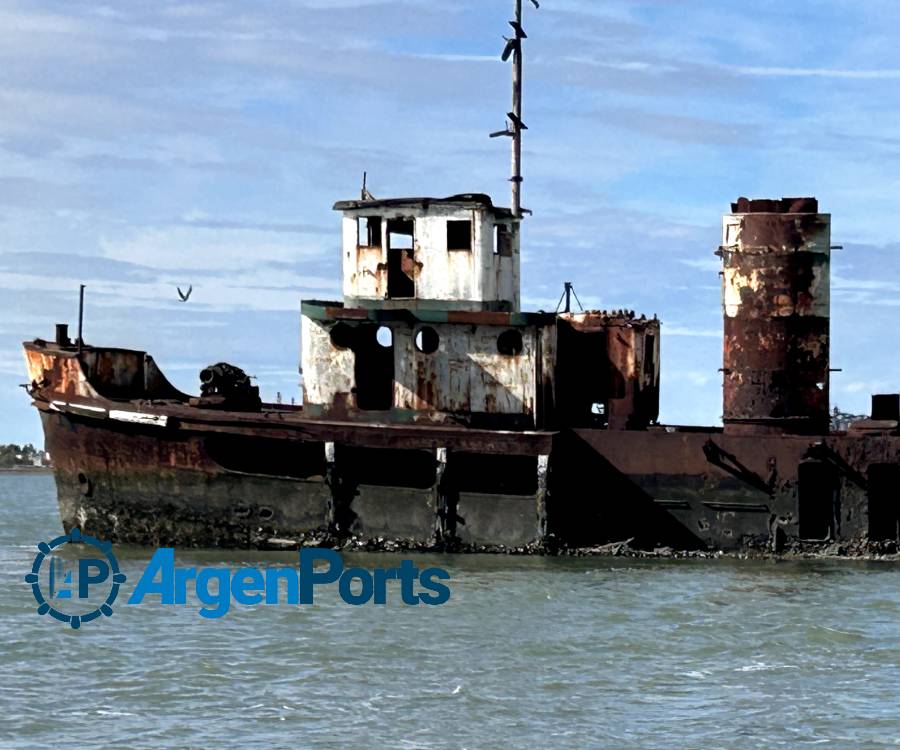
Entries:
{"x":149,"y":145}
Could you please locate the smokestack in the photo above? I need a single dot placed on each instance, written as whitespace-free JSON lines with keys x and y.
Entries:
{"x":775,"y":296}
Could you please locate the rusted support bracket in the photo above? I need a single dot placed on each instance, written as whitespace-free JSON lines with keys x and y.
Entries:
{"x":728,"y":462}
{"x":331,"y":479}
{"x":339,"y":515}
{"x":543,"y":465}
{"x":442,"y":520}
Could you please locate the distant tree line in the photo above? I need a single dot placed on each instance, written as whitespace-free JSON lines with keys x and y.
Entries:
{"x":13,"y":455}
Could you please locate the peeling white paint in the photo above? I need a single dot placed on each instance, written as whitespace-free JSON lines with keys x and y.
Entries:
{"x":160,"y":420}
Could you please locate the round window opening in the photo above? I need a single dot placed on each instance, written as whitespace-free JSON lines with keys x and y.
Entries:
{"x":385,"y":337}
{"x":427,"y":340}
{"x":342,"y":336}
{"x":510,"y":343}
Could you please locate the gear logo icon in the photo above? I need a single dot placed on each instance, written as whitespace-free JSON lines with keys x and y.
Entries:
{"x":75,"y":589}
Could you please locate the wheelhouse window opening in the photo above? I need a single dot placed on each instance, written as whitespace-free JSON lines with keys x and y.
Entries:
{"x":369,"y":231}
{"x":401,"y":258}
{"x":459,"y":235}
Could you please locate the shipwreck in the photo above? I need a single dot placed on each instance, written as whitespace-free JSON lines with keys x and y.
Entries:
{"x":438,"y":414}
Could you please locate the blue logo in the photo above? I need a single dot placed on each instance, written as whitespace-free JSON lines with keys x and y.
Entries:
{"x":75,"y":590}
{"x":77,"y":585}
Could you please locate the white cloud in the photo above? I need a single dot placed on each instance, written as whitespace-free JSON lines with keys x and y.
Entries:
{"x":676,"y":330}
{"x":205,"y":249}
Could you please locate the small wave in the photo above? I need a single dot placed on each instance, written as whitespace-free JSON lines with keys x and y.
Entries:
{"x":763,"y":667}
{"x":835,"y":630}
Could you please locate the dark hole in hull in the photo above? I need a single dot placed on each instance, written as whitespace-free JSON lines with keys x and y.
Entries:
{"x":884,"y":493}
{"x":256,"y":455}
{"x":494,"y":474}
{"x":387,"y":467}
{"x":817,"y":498}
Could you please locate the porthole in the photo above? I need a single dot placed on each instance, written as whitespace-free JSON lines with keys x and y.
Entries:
{"x":510,"y":343}
{"x":427,"y":340}
{"x":385,"y":337}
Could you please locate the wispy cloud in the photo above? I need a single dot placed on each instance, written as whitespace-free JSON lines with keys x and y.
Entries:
{"x":782,"y":72}
{"x":202,"y":220}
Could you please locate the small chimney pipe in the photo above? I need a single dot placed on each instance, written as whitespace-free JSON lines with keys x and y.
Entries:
{"x":62,"y":334}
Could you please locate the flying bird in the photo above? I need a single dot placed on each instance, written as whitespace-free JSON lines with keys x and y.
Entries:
{"x":185,"y":296}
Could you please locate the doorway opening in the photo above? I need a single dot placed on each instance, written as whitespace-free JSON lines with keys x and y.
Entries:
{"x":373,"y":368}
{"x":817,"y":499}
{"x":884,"y":493}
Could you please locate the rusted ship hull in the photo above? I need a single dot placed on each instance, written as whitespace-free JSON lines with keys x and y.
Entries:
{"x":158,"y":471}
{"x":142,"y":484}
{"x":149,"y":468}
{"x":127,"y":484}
{"x":711,"y":490}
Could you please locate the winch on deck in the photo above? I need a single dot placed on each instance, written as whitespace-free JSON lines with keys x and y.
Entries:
{"x":224,"y":386}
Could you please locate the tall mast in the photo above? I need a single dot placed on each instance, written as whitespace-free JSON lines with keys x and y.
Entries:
{"x":514,"y":125}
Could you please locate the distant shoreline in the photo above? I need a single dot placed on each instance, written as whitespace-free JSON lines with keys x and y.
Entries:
{"x":27,"y":470}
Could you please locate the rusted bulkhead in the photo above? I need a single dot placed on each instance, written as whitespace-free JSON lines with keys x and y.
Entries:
{"x":775,"y":293}
{"x":489,"y":369}
{"x":607,"y":370}
{"x":95,"y":371}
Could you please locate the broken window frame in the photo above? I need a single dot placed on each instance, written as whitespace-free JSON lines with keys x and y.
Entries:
{"x":395,"y":258}
{"x":373,"y":231}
